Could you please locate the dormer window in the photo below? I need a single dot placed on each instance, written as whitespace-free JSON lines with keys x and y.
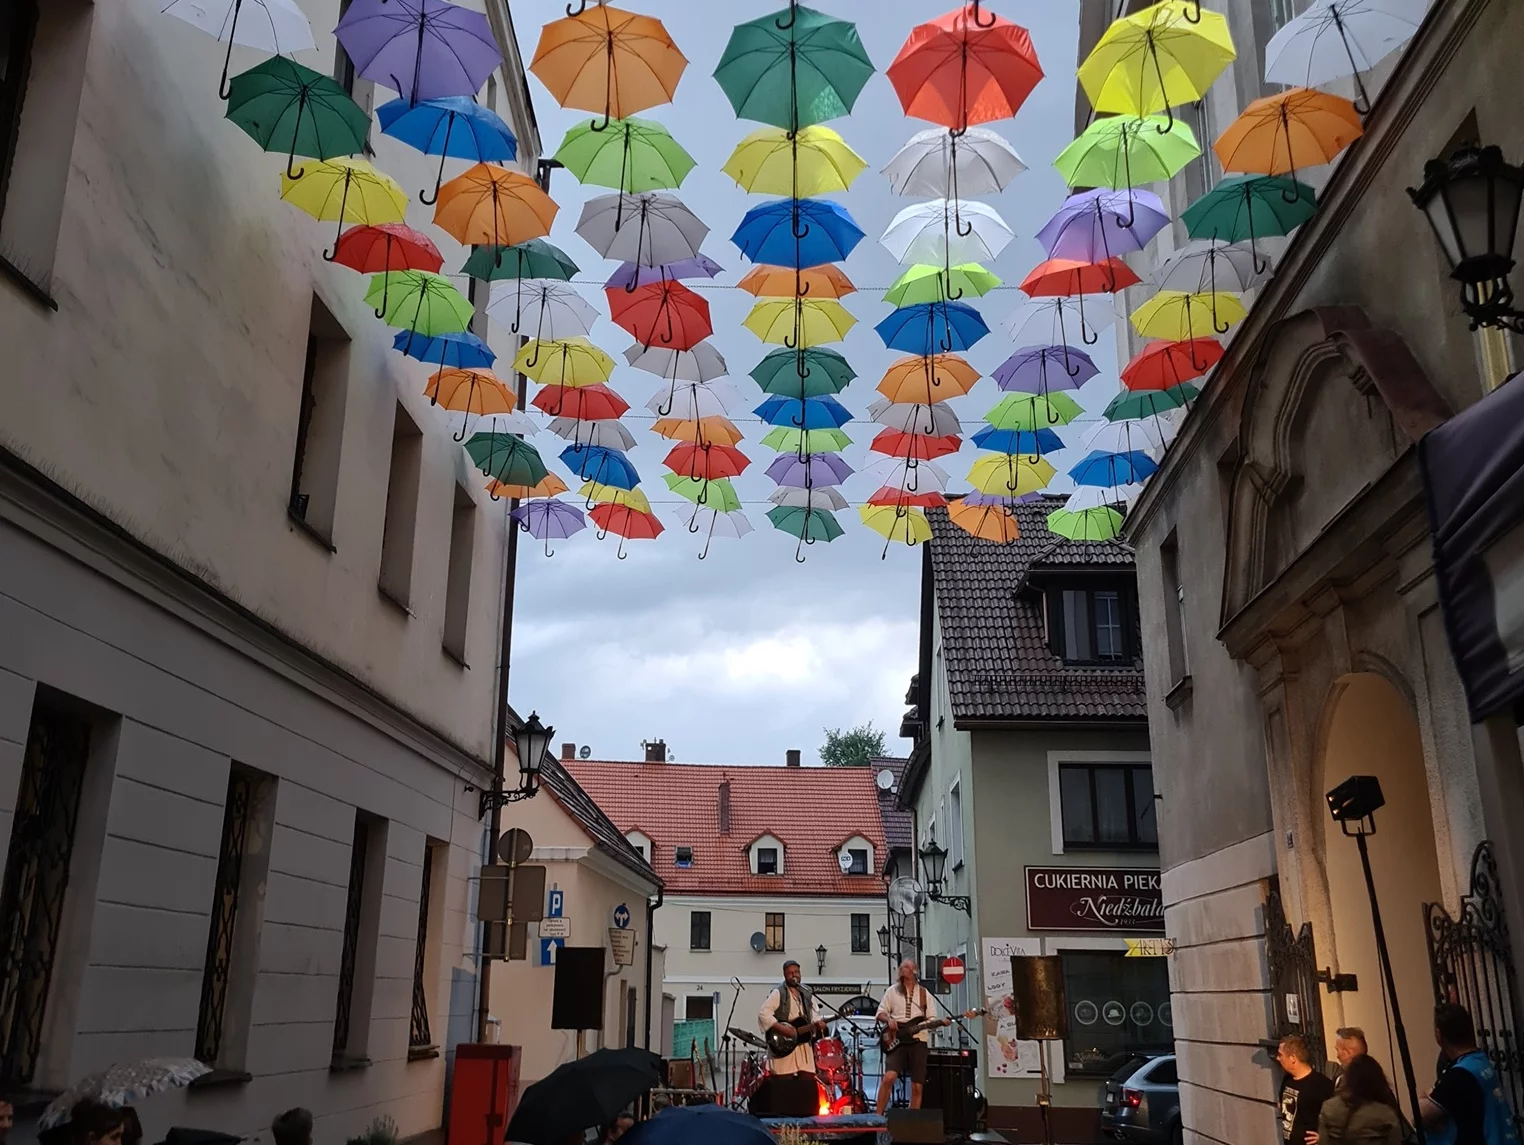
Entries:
{"x":767,"y":860}
{"x":855,"y":856}
{"x":682,"y":857}
{"x":858,"y":859}
{"x":642,"y":843}
{"x":766,"y":855}
{"x":1090,"y":625}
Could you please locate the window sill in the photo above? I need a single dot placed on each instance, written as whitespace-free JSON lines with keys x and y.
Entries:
{"x":344,"y":1063}
{"x":458,"y":659}
{"x":392,"y":599}
{"x":34,"y":290}
{"x":1120,"y":848}
{"x":303,"y":527}
{"x":221,"y":1078}
{"x":422,"y":1053}
{"x":1181,"y":692}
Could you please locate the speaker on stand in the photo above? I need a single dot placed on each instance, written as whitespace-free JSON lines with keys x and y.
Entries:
{"x":1042,"y":1015}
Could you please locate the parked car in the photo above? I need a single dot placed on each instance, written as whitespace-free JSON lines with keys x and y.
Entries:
{"x":1141,"y":1102}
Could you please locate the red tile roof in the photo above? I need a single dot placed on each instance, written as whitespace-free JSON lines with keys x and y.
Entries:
{"x":813,"y":810}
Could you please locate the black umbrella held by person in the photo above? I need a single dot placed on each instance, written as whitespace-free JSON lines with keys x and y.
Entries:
{"x":699,"y":1125}
{"x":581,"y":1094}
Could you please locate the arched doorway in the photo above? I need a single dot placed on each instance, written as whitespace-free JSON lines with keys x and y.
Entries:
{"x":1373,"y":731}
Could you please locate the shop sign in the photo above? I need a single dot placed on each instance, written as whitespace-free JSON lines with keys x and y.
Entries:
{"x":1118,"y":899}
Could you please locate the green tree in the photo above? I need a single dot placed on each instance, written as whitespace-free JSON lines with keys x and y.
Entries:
{"x":852,"y":748}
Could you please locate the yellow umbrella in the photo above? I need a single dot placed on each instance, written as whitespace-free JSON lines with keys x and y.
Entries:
{"x":572,"y":362}
{"x":1177,"y":316}
{"x":1157,"y":59}
{"x":987,"y":522}
{"x":1010,"y":475}
{"x":609,"y":495}
{"x":816,"y":161}
{"x":800,"y":323}
{"x":346,"y":190}
{"x":908,"y":526}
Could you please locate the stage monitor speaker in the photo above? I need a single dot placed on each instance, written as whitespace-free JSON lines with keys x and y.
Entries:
{"x":915,"y":1126}
{"x":786,"y":1095}
{"x":577,"y":1001}
{"x":950,"y":1087}
{"x":1037,"y":992}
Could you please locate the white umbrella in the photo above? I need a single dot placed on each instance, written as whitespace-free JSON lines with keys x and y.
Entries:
{"x":712,"y":523}
{"x":1333,"y":39}
{"x":651,"y":229}
{"x":946,"y":232}
{"x":936,"y":420}
{"x":275,"y":26}
{"x":911,"y":476}
{"x":936,"y":162}
{"x":515,"y":422}
{"x":1092,"y":497}
{"x":555,"y":311}
{"x":703,"y":363}
{"x":690,"y":401}
{"x":606,"y":433}
{"x":1059,"y":321}
{"x":820,"y":498}
{"x":1206,"y":265}
{"x":1150,"y":435}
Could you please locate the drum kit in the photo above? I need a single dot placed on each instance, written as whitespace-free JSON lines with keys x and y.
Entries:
{"x":838,"y":1071}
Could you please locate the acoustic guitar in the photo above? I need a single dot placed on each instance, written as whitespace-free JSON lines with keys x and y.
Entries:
{"x":780,"y":1045}
{"x":909,"y":1029}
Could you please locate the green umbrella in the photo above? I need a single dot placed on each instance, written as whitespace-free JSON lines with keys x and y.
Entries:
{"x":1101,"y":524}
{"x":809,"y":373}
{"x":291,"y":108}
{"x":809,"y":525}
{"x":805,"y":442}
{"x":1027,"y":413}
{"x":533,"y":259}
{"x":1251,"y":207}
{"x":419,"y":301}
{"x":1123,"y":152}
{"x":510,"y":460}
{"x":793,"y":68}
{"x":631,"y":155}
{"x":1130,"y":406}
{"x":718,"y":494}
{"x":922,"y":283}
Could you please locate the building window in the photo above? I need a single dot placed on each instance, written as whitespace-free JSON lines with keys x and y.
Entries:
{"x":1108,"y":806}
{"x":698,"y":930}
{"x":699,"y":1007}
{"x":1200,"y":175}
{"x":357,"y":958}
{"x":767,"y":860}
{"x":18,"y":28}
{"x":1174,"y":609}
{"x":398,"y":531}
{"x":774,"y":931}
{"x":858,"y":860}
{"x":955,"y":826}
{"x":320,"y":424}
{"x":458,"y":574}
{"x":1118,"y":1007}
{"x":859,"y":934}
{"x":1089,"y":626}
{"x":682,"y":857}
{"x":419,"y":1036}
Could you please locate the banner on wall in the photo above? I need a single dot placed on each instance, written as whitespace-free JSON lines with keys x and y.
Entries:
{"x":1005,"y":1056}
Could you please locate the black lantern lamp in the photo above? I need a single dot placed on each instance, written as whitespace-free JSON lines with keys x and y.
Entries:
{"x":1472,"y":201}
{"x":883,"y":940}
{"x":820,"y":957}
{"x":934,"y":864}
{"x":530,"y":744}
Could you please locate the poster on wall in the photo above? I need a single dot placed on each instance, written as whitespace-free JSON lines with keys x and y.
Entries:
{"x":1004,"y":1055}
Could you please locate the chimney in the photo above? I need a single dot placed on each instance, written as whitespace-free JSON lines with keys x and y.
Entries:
{"x":568,"y":751}
{"x":724,"y":808}
{"x":792,"y":758}
{"x":656,"y":751}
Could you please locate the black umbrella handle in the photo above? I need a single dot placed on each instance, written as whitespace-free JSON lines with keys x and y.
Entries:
{"x":223,"y":89}
{"x":444,"y":149}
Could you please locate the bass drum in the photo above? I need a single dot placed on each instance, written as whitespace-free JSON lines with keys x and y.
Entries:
{"x":830,"y":1057}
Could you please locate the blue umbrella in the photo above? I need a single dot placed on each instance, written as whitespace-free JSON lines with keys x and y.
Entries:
{"x":932,"y":327}
{"x":812,"y":413}
{"x":700,"y":1125}
{"x":605,"y":466}
{"x":463,"y":351}
{"x":1018,"y":441}
{"x":1108,"y":470}
{"x":452,"y":126}
{"x":797,"y":232}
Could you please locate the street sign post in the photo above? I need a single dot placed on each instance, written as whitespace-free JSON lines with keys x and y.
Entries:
{"x":952,"y":970}
{"x":622,"y":943}
{"x":622,"y":916}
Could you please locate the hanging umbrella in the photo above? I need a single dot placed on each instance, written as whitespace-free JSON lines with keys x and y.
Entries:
{"x":420,"y":301}
{"x":700,"y":266}
{"x":823,"y":497}
{"x":987,"y":522}
{"x":1101,"y":524}
{"x":947,"y":233}
{"x":1163,"y":365}
{"x":1333,"y":39}
{"x":1010,"y":474}
{"x":574,"y":362}
{"x":506,"y":458}
{"x":928,"y":379}
{"x":914,"y":446}
{"x":1054,"y":321}
{"x":899,"y":498}
{"x":606,"y":434}
{"x":421,"y":49}
{"x":1019,"y":441}
{"x":1042,"y":369}
{"x":793,"y":68}
{"x":1246,"y":208}
{"x":719,"y":494}
{"x":651,"y":229}
{"x":896,"y":523}
{"x":454,"y":127}
{"x":824,"y":281}
{"x":606,"y":467}
{"x":713,"y":523}
{"x":797,"y":233}
{"x":386,"y":247}
{"x":811,"y":413}
{"x":533,"y":259}
{"x":548,"y":486}
{"x":493,"y":205}
{"x":469,"y":391}
{"x":1001,"y":499}
{"x":1092,"y":497}
{"x":1131,"y":405}
{"x":804,"y":373}
{"x":516,"y":423}
{"x":665,"y":313}
{"x":715,"y":429}
{"x":706,"y":461}
{"x":346,"y":190}
{"x":584,"y":403}
{"x":555,"y":310}
{"x":466,"y":351}
{"x":965,"y":67}
{"x":1205,"y":265}
{"x":1068,"y":278}
{"x":810,"y":161}
{"x":1150,"y":435}
{"x":809,"y":525}
{"x":695,"y":400}
{"x":625,"y":522}
{"x":923,"y":283}
{"x":703,"y":363}
{"x":1157,"y":59}
{"x":809,"y":471}
{"x":1097,"y":225}
{"x":1123,"y":152}
{"x":909,"y":474}
{"x":942,"y":164}
{"x":608,"y":61}
{"x":279,"y":27}
{"x":799,"y":323}
{"x":803,"y":442}
{"x":1180,"y":317}
{"x":597,"y":494}
{"x":930,"y":327}
{"x":1111,"y":469}
{"x":631,"y":155}
{"x":1280,"y":133}
{"x":548,"y":520}
{"x":287,"y":107}
{"x":1032,"y":412}
{"x":936,"y":419}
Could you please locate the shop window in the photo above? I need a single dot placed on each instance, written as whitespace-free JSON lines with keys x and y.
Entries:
{"x":1118,"y":1007}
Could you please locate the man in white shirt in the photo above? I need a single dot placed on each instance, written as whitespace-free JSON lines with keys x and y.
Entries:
{"x":907,"y":1000}
{"x":785,"y":1005}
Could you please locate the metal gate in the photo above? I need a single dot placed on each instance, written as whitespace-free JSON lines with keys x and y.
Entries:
{"x":1472,"y":963}
{"x":1295,"y":997}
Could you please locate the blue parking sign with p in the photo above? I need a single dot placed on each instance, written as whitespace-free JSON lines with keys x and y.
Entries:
{"x":555,"y":904}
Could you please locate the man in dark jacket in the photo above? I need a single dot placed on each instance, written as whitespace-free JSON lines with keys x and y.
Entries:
{"x":1303,"y":1091}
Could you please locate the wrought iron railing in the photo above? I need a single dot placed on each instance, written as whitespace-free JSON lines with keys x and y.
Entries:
{"x":1296,"y":1004}
{"x":418,"y":1029}
{"x":219,"y":943}
{"x":352,"y":904}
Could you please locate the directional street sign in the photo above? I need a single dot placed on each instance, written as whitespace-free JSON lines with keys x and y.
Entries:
{"x":548,"y":948}
{"x":621,"y":916}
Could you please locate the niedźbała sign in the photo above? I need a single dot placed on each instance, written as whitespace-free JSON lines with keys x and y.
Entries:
{"x":1118,"y":899}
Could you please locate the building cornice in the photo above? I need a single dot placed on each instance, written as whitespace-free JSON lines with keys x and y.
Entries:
{"x":500,"y":17}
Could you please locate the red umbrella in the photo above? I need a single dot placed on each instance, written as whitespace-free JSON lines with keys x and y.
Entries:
{"x":385,"y":248}
{"x":666,"y":314}
{"x":915,"y":446}
{"x":1065,"y":277}
{"x":1165,"y":365}
{"x":581,"y":403}
{"x":966,"y":67}
{"x":706,"y":462}
{"x":894,"y":495}
{"x":625,"y":522}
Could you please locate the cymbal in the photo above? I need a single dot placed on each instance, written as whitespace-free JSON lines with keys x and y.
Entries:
{"x":747,"y":1036}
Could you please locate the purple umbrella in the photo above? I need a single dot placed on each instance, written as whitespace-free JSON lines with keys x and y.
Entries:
{"x":815,"y":471}
{"x":632,"y":276}
{"x":422,"y":49}
{"x":1043,"y":369}
{"x":1096,"y":225}
{"x":546,"y":519}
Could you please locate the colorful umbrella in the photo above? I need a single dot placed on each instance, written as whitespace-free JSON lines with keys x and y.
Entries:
{"x":606,"y":434}
{"x":1053,"y":321}
{"x":625,"y":522}
{"x":608,"y":61}
{"x":386,"y":247}
{"x":797,"y":233}
{"x":703,"y":363}
{"x":1032,"y":412}
{"x":700,"y":266}
{"x":1150,"y":435}
{"x":1091,"y":497}
{"x":935,"y":419}
{"x":1157,"y":59}
{"x":584,"y":403}
{"x":896,"y":523}
{"x":1042,"y":369}
{"x":421,"y":49}
{"x":1093,"y":226}
{"x":548,"y":486}
{"x":556,"y":310}
{"x":123,"y":1085}
{"x":898,"y":497}
{"x":809,"y":525}
{"x":597,"y":494}
{"x":346,"y":190}
{"x":803,"y":442}
{"x":533,"y":259}
{"x":803,"y":373}
{"x":1010,"y":475}
{"x":929,"y":327}
{"x":661,"y":312}
{"x":794,"y":68}
{"x":1280,"y":133}
{"x":1122,"y":152}
{"x":1163,"y":365}
{"x":506,"y":458}
{"x":1332,"y":39}
{"x":824,"y":281}
{"x":706,"y":462}
{"x":987,"y":522}
{"x":965,"y":68}
{"x":420,"y":301}
{"x":799,"y":323}
{"x":276,"y":26}
{"x":630,"y":155}
{"x":810,"y":161}
{"x":904,"y":446}
{"x":493,"y":205}
{"x":1066,"y":278}
{"x":455,"y":127}
{"x":659,"y":228}
{"x":1112,"y":469}
{"x":719,"y":494}
{"x":574,"y":362}
{"x":1205,"y":265}
{"x":1250,"y":207}
{"x":1101,"y":524}
{"x":547,"y":520}
{"x":695,"y":401}
{"x":927,"y":379}
{"x":466,"y":351}
{"x":1180,"y":317}
{"x":811,"y":413}
{"x":823,"y":497}
{"x":713,"y":523}
{"x":809,"y":471}
{"x":1133,"y":405}
{"x":946,"y":232}
{"x":469,"y":391}
{"x":287,"y":107}
{"x":923,"y":283}
{"x":942,"y":164}
{"x":604,"y":466}
{"x":1020,"y":441}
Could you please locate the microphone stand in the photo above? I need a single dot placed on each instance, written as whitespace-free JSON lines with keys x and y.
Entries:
{"x":728,"y":1049}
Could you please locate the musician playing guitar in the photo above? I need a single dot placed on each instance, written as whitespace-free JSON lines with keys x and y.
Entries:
{"x":908,"y":1002}
{"x":792,"y":1012}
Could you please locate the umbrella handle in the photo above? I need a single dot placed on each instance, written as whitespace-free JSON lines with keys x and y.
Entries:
{"x":224,"y":90}
{"x":791,"y":341}
{"x":534,"y":360}
{"x":884,"y":556}
{"x":581,"y":8}
{"x":330,"y":255}
{"x":1153,"y":51}
{"x":799,"y":548}
{"x":549,"y":552}
{"x":785,"y":24}
{"x":620,"y":553}
{"x":423,"y":196}
{"x":1196,"y":19}
{"x":461,"y":436}
{"x":709,"y":540}
{"x":802,"y":369}
{"x":386,"y":290}
{"x":978,"y":23}
{"x":670,"y":334}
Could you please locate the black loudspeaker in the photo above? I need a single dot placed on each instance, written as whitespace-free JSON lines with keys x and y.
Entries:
{"x":916,"y":1126}
{"x":786,"y":1095}
{"x":1037,"y":989}
{"x":577,"y":1003}
{"x":950,"y":1088}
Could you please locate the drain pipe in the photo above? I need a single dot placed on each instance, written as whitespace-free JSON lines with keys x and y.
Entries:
{"x":651,"y":906}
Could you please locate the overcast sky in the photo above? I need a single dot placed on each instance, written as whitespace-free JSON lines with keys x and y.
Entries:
{"x":737,"y":658}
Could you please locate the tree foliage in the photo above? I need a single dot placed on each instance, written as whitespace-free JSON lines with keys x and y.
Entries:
{"x":852,"y":748}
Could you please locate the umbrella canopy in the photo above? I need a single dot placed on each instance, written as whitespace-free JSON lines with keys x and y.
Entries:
{"x":506,"y":458}
{"x":797,"y":233}
{"x":824,"y":281}
{"x":1132,"y":405}
{"x":1107,"y":470}
{"x":1030,"y":443}
{"x":421,"y":49}
{"x":584,"y":403}
{"x":805,"y":373}
{"x":929,"y":327}
{"x":928,"y":379}
{"x":276,"y":26}
{"x":694,"y":400}
{"x":1205,"y":265}
{"x":810,"y":471}
{"x":555,"y":311}
{"x":794,"y":68}
{"x":803,"y":442}
{"x":651,"y":229}
{"x":464,"y":350}
{"x":664,"y":313}
{"x":987,"y":522}
{"x":629,"y":273}
{"x":1281,"y":133}
{"x":706,"y":462}
{"x":630,"y":155}
{"x":1092,"y":497}
{"x":533,"y":259}
{"x":574,"y":362}
{"x":719,"y":494}
{"x":346,"y":190}
{"x":939,"y":164}
{"x":1163,"y":365}
{"x":904,"y":446}
{"x":811,"y":161}
{"x":716,"y":430}
{"x":811,"y":413}
{"x":1333,"y":39}
{"x":469,"y":391}
{"x":1159,"y":58}
{"x":1244,"y":208}
{"x":1041,"y":369}
{"x":924,"y":283}
{"x":897,"y":497}
{"x":606,"y":467}
{"x":1032,"y":412}
{"x":124,"y":1084}
{"x":597,"y":494}
{"x":1180,"y":317}
{"x":965,"y":67}
{"x":606,"y":434}
{"x":909,"y":474}
{"x":1121,"y":152}
{"x":287,"y":107}
{"x":455,"y":126}
{"x":714,"y":523}
{"x":608,"y":61}
{"x":1102,"y":524}
{"x":703,"y":363}
{"x":809,"y":525}
{"x":1055,"y":321}
{"x":896,"y":523}
{"x":935,"y":419}
{"x":946,"y":232}
{"x":817,"y":497}
{"x":489,"y":204}
{"x":548,"y":519}
{"x":1097,"y":225}
{"x":1010,"y":474}
{"x":548,"y":486}
{"x":1150,"y":435}
{"x":386,"y":247}
{"x":1065,"y":278}
{"x":626,"y":522}
{"x":420,"y":301}
{"x":799,"y":322}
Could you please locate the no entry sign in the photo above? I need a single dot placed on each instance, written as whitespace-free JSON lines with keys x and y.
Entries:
{"x":952,"y":970}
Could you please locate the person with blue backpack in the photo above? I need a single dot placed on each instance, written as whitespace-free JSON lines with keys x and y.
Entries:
{"x":1466,"y":1105}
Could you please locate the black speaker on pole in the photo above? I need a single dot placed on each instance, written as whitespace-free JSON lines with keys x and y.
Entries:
{"x":1037,"y":990}
{"x":577,"y":1003}
{"x":950,"y":1087}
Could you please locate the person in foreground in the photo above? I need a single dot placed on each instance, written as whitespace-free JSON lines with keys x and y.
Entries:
{"x":791,"y":1009}
{"x":1466,"y":1105}
{"x":1303,"y":1092}
{"x":1363,"y":1109}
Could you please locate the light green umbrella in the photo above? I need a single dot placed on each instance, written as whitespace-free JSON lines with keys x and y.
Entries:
{"x":1028,"y":413}
{"x":922,"y":283}
{"x":717,"y":494}
{"x":804,"y":442}
{"x":793,"y":68}
{"x":631,"y":155}
{"x":1101,"y":524}
{"x":420,"y":301}
{"x":1122,"y":152}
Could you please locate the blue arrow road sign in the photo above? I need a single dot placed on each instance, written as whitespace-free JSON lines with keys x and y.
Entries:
{"x":548,"y":948}
{"x":621,"y":916}
{"x":557,"y":901}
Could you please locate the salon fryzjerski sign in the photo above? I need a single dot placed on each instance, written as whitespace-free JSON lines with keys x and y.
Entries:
{"x":1095,"y":898}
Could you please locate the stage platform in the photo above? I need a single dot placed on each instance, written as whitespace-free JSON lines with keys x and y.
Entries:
{"x":866,"y":1127}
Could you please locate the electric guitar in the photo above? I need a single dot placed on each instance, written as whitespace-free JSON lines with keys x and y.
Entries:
{"x":907,"y":1030}
{"x":780,"y":1045}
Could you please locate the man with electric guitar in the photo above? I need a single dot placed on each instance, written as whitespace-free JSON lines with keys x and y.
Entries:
{"x":790,"y":1020}
{"x":908,"y":1016}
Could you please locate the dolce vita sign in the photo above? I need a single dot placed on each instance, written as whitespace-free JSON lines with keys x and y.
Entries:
{"x":1119,"y":899}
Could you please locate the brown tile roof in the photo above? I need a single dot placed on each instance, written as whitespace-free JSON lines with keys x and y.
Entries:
{"x":899,"y":826}
{"x":998,"y":665}
{"x":813,"y":810}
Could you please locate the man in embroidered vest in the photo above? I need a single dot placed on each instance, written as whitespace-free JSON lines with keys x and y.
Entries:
{"x":787,"y":1004}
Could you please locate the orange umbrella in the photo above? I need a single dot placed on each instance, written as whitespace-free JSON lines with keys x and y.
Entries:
{"x":919,"y":380}
{"x":1297,"y":128}
{"x":493,"y":206}
{"x":1065,"y":277}
{"x":988,"y":522}
{"x":470,"y":391}
{"x":609,"y":61}
{"x":549,"y":486}
{"x":704,"y":431}
{"x":826,"y":281}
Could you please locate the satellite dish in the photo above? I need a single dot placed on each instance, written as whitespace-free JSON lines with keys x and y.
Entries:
{"x":906,"y":896}
{"x":885,"y":780}
{"x":758,"y":941}
{"x":844,"y":861}
{"x":585,"y":752}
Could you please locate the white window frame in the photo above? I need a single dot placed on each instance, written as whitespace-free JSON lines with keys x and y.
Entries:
{"x":1055,"y":796}
{"x":641,"y":842}
{"x":955,"y":848}
{"x":858,"y":843}
{"x":767,"y":840}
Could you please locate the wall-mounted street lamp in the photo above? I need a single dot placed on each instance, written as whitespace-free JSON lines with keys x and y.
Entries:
{"x":883,"y":940}
{"x":820,"y":957}
{"x":530,"y":743}
{"x":934,"y":864}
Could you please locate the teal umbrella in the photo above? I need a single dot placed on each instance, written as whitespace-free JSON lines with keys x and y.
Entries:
{"x":810,"y":373}
{"x":287,"y":107}
{"x":1130,"y":405}
{"x":809,"y":525}
{"x":1250,"y":207}
{"x":533,"y":259}
{"x":793,"y":68}
{"x":510,"y":460}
